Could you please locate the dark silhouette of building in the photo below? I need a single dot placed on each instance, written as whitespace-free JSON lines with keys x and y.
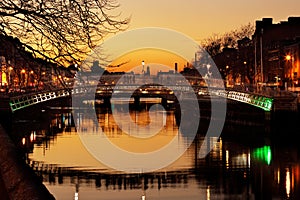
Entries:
{"x":292,"y":63}
{"x":270,"y":57}
{"x":228,"y":65}
{"x":269,"y":43}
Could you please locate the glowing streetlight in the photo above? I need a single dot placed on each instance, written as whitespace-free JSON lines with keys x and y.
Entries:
{"x":143,"y":63}
{"x":288,"y":57}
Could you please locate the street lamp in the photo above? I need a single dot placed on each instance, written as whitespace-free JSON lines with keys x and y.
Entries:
{"x":261,"y":56}
{"x":244,"y":72}
{"x":23,"y":78}
{"x":143,"y":64}
{"x":289,"y":71}
{"x":227,"y":75}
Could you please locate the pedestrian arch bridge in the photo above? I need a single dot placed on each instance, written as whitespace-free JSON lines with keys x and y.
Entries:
{"x":262,"y":101}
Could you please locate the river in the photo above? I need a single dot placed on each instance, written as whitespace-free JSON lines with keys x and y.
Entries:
{"x":246,"y":161}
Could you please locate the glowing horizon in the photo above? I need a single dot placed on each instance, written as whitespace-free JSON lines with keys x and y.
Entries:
{"x":156,"y":59}
{"x":196,"y":19}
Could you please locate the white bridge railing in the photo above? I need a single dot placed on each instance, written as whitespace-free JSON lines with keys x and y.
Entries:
{"x":257,"y":100}
{"x":22,"y":101}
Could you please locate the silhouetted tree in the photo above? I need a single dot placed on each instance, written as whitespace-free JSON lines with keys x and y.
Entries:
{"x":60,"y":31}
{"x":217,"y":42}
{"x":213,"y":45}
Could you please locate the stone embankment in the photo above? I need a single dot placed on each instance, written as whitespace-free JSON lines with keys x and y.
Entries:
{"x":17,"y":180}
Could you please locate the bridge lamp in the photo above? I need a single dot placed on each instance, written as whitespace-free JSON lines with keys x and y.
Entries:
{"x":288,"y":57}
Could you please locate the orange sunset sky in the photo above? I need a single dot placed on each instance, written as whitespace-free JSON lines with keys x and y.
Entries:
{"x":196,"y":19}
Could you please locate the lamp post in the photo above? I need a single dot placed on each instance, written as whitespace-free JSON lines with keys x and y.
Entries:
{"x":261,"y":56}
{"x":23,"y":71}
{"x":227,"y":75}
{"x":244,"y":72}
{"x":143,"y":64}
{"x":288,"y":58}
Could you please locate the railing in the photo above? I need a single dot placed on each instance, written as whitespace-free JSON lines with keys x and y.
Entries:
{"x":261,"y":101}
{"x":25,"y":100}
{"x":262,"y":98}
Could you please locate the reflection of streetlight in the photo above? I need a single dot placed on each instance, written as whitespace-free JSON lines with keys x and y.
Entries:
{"x":277,"y":80}
{"x":10,"y":68}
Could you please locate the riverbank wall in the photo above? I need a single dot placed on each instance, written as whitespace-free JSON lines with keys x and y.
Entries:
{"x":18,"y":181}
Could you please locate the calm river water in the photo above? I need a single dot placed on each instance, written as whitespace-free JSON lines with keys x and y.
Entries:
{"x":245,"y":161}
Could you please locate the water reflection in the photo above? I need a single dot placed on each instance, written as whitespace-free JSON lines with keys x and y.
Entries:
{"x":234,"y":169}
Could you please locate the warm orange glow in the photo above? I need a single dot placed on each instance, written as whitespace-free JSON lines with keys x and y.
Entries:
{"x":4,"y":80}
{"x":145,"y":57}
{"x":23,"y":71}
{"x":200,"y":19}
{"x":288,"y":57}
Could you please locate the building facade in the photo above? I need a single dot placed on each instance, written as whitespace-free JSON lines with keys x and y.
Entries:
{"x":271,"y":43}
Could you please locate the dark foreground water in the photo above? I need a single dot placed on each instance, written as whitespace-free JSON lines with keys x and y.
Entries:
{"x":246,"y":162}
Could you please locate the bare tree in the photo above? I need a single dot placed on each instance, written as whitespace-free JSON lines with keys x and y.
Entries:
{"x":245,"y":31}
{"x":60,"y":31}
{"x":215,"y":43}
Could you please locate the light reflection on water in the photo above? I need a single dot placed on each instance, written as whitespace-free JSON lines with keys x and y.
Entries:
{"x":232,"y":170}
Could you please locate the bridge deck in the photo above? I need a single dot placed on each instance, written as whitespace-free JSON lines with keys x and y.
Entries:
{"x":265,"y":100}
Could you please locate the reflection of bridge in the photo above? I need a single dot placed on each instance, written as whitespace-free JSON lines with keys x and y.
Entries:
{"x":264,"y":100}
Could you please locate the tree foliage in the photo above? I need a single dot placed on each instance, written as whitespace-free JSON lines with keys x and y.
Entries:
{"x":217,"y":42}
{"x":61,"y":31}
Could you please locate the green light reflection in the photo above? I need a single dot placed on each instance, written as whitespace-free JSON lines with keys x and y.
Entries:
{"x":263,"y":154}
